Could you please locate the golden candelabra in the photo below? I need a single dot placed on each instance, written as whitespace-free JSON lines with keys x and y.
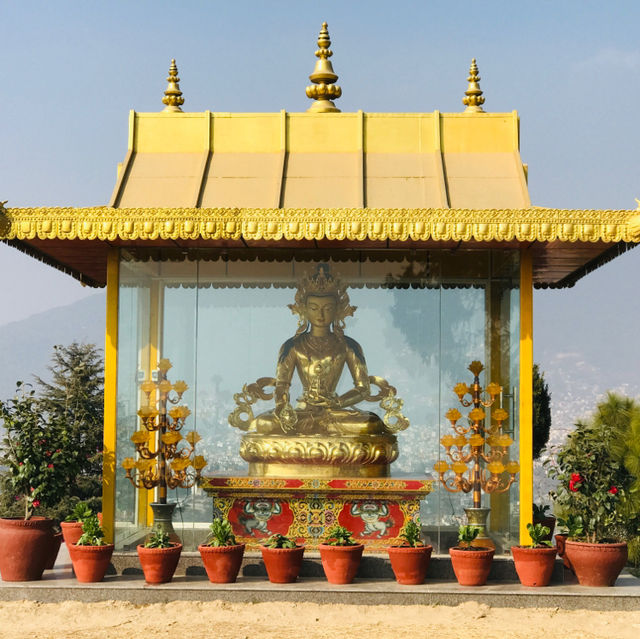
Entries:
{"x":477,"y":451}
{"x":161,"y":462}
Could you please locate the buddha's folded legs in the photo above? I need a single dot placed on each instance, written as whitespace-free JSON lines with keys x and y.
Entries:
{"x":348,"y":422}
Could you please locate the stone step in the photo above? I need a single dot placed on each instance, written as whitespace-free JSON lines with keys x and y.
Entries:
{"x":371,"y":567}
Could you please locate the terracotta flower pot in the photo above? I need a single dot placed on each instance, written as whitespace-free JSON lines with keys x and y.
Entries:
{"x":222,"y":563}
{"x":71,"y":531}
{"x":340,"y":563}
{"x":410,"y":564}
{"x":90,"y":563}
{"x":596,"y":564}
{"x":471,"y":567}
{"x":159,"y":564}
{"x":561,"y":540}
{"x":534,"y":565}
{"x":282,"y":564}
{"x":56,"y":540}
{"x":25,"y":546}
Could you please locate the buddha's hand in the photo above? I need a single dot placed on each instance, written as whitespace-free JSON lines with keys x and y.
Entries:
{"x":286,"y":416}
{"x":318,"y":399}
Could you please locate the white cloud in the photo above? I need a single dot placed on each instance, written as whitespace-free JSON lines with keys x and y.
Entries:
{"x":612,"y":58}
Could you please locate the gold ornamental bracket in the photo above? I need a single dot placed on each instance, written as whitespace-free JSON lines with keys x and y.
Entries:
{"x":324,"y":88}
{"x":523,"y":225}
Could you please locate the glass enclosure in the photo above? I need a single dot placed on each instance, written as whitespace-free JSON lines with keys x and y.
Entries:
{"x":221,"y":317}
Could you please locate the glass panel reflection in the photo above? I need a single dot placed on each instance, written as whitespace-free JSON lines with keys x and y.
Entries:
{"x":224,"y":320}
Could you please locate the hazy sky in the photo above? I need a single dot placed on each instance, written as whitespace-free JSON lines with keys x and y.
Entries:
{"x":72,"y":71}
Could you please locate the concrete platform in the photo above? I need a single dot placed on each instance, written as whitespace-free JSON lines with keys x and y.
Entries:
{"x":60,"y":585}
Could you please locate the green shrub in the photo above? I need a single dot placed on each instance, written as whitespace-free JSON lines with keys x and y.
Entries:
{"x":598,"y":474}
{"x":158,"y":539}
{"x":340,"y":536}
{"x":411,"y":534}
{"x":221,"y":533}
{"x":538,"y":532}
{"x":279,"y":541}
{"x":92,"y":533}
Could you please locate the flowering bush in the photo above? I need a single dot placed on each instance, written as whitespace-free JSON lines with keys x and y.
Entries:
{"x":37,"y":452}
{"x":595,"y":486}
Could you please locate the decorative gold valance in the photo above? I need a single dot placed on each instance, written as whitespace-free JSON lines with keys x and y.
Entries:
{"x":522,"y":225}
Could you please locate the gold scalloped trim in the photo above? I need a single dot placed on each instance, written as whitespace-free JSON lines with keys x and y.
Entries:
{"x":523,"y":225}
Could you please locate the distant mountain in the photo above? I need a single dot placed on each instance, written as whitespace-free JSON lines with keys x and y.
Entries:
{"x":26,"y":346}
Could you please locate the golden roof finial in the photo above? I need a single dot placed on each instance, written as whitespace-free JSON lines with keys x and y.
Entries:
{"x":473,"y":95}
{"x":323,"y":90}
{"x":172,"y":95}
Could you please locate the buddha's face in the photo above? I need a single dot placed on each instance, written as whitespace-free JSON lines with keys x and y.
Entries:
{"x":321,"y":311}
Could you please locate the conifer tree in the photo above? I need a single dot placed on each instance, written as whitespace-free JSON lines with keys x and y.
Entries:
{"x":75,"y":393}
{"x":58,"y":429}
{"x":541,"y":412}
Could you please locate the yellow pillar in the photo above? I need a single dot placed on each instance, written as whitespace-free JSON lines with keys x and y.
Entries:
{"x":526,"y":393}
{"x":110,"y":395}
{"x":156,"y":303}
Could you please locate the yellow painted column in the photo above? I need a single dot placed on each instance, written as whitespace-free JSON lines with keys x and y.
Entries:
{"x":526,"y":393}
{"x":110,"y":395}
{"x":156,"y":303}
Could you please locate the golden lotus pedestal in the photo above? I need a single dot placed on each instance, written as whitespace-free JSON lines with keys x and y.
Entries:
{"x":320,"y":457}
{"x":375,"y":509}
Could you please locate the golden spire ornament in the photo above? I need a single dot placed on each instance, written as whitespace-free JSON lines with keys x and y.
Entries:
{"x":172,"y":95}
{"x":323,"y":90}
{"x":473,"y":95}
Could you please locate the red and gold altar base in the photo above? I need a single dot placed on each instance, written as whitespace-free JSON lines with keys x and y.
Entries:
{"x":375,"y":509}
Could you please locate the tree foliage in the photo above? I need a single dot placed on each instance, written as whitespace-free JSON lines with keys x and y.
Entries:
{"x":541,"y":412}
{"x":37,"y":453}
{"x":66,"y":413}
{"x":597,"y":473}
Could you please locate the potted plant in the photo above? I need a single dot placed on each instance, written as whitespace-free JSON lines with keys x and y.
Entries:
{"x":282,"y":558}
{"x":72,"y":525}
{"x":159,"y":557}
{"x":340,"y":555}
{"x":410,"y":560}
{"x":594,"y":486}
{"x":534,"y":563}
{"x":56,"y":542}
{"x":221,"y":554}
{"x":471,"y":564}
{"x":570,"y":527}
{"x":541,"y":515}
{"x":90,"y":556}
{"x":37,"y":473}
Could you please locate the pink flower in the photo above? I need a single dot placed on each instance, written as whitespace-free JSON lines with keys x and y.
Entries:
{"x":613,"y":490}
{"x":36,"y":503}
{"x":20,"y":464}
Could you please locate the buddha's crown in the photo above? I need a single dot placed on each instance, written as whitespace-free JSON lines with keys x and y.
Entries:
{"x":321,"y":283}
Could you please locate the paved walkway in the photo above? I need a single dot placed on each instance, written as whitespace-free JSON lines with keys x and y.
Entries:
{"x":60,"y":585}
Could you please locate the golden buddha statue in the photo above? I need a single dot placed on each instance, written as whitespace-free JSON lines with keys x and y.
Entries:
{"x":325,"y":434}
